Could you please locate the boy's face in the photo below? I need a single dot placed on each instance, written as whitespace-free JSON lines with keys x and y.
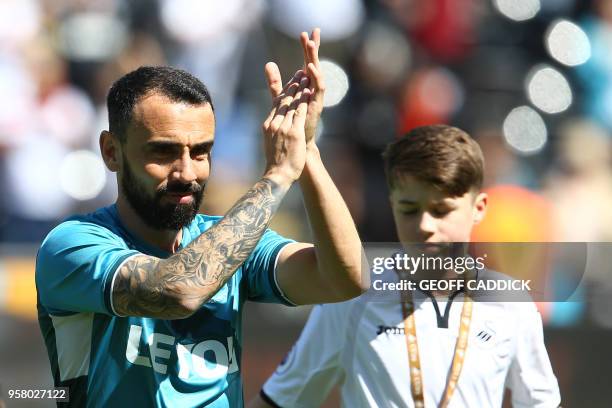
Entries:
{"x":424,"y":214}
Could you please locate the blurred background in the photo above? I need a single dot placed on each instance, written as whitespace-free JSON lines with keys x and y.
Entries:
{"x":531,"y":80}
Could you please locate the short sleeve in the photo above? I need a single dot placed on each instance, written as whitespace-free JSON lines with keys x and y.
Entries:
{"x":313,"y":366}
{"x":75,"y":267}
{"x":259,"y":269}
{"x":531,"y":377}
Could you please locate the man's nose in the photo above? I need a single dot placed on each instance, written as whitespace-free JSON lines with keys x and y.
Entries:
{"x":183,"y":170}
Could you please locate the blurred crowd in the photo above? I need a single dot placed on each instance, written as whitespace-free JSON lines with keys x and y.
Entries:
{"x":531,"y":80}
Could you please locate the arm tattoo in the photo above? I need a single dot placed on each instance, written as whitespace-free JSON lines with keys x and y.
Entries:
{"x":153,"y":287}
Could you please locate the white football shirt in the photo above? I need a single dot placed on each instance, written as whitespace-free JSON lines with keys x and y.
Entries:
{"x":361,"y":345}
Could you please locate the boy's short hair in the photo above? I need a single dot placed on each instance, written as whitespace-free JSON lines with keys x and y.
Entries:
{"x":443,"y":156}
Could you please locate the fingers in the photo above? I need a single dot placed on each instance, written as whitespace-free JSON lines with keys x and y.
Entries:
{"x":277,"y":109}
{"x":299,"y":118}
{"x":312,"y":47}
{"x":273,"y":77}
{"x":288,"y":118}
{"x":284,"y":108}
{"x":290,"y":102}
{"x":316,"y":36}
{"x":278,"y":100}
{"x":276,"y":104}
{"x":304,"y":41}
{"x":295,"y":79}
{"x":295,"y":103}
{"x":317,"y":81}
{"x":288,"y":98}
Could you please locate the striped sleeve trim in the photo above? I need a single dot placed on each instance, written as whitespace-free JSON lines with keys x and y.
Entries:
{"x":276,"y":287}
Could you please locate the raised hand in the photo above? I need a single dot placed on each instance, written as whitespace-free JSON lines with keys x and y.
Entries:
{"x":311,"y":68}
{"x":283,"y":129}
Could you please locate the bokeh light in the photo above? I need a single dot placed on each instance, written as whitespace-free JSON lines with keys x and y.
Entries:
{"x":82,"y":175}
{"x":338,"y":19}
{"x":19,"y":20}
{"x":518,"y":10}
{"x":548,"y":89}
{"x":568,"y":43}
{"x":17,"y":102}
{"x":190,"y":21}
{"x":33,"y":179}
{"x":525,"y":130}
{"x":386,"y":53}
{"x":336,"y":82}
{"x":432,"y":95}
{"x":92,"y":36}
{"x":518,"y":215}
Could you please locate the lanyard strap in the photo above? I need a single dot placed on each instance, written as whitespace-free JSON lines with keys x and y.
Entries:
{"x":416,"y":376}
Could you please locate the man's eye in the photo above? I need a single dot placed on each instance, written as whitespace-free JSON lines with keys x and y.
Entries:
{"x":161,"y":151}
{"x":200,"y":153}
{"x":412,"y":211}
{"x":162,"y":155}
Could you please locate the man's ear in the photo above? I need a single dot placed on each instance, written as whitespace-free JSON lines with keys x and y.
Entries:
{"x":110,"y":147}
{"x":480,"y":207}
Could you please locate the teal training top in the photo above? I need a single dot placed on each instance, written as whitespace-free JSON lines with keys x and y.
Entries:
{"x":110,"y":360}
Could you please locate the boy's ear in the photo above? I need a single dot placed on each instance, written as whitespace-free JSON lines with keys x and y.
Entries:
{"x":111,"y":150}
{"x":480,"y":207}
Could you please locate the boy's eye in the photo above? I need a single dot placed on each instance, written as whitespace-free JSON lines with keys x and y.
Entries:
{"x":409,"y":211}
{"x":440,"y":212}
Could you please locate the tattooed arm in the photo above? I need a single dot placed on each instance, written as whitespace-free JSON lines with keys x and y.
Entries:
{"x":176,"y":287}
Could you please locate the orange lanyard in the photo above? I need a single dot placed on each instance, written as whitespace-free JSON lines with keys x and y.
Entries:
{"x":416,"y":376}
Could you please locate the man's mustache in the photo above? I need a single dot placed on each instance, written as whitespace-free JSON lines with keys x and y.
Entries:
{"x":178,"y":188}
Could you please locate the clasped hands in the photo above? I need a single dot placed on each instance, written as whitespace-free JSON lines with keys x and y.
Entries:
{"x":289,"y":130}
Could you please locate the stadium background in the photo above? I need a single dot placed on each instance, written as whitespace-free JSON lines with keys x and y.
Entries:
{"x":530,"y":79}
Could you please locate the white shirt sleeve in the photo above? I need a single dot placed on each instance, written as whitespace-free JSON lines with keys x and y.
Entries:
{"x":312,"y":367}
{"x":531,"y":377}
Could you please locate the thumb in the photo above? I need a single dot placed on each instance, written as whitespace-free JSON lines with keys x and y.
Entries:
{"x":273,"y":77}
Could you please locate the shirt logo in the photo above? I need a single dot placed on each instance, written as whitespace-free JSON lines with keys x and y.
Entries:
{"x":486,"y":334}
{"x":191,"y":357}
{"x":389,"y":330}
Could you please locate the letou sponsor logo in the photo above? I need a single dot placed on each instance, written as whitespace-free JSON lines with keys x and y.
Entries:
{"x":191,"y":359}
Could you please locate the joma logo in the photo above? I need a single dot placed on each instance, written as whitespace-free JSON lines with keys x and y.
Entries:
{"x":389,"y":330}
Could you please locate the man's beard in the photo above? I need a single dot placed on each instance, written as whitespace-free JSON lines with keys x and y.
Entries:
{"x":153,"y":212}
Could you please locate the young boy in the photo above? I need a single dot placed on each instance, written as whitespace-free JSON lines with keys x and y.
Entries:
{"x":400,"y":350}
